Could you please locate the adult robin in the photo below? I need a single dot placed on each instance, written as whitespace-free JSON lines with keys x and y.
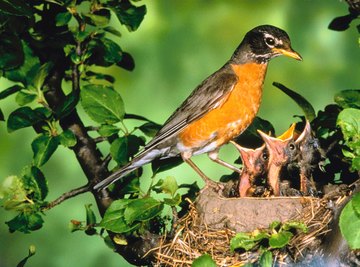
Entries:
{"x":219,"y":109}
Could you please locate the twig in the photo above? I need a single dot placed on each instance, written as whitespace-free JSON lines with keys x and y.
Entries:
{"x":67,"y":195}
{"x":100,"y":139}
{"x":106,"y":161}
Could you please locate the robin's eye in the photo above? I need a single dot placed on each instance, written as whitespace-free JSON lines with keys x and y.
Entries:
{"x":269,"y":41}
{"x":292,"y":146}
{"x":265,"y":156}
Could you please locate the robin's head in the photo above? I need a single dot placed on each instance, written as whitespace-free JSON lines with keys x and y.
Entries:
{"x":264,"y":43}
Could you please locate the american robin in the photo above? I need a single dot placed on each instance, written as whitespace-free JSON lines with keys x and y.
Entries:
{"x":255,"y":163}
{"x":310,"y":157}
{"x":281,"y":151}
{"x":219,"y":109}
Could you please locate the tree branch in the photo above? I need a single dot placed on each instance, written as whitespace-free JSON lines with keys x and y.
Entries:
{"x":67,"y":195}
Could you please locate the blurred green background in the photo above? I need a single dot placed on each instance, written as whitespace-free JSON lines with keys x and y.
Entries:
{"x":178,"y":45}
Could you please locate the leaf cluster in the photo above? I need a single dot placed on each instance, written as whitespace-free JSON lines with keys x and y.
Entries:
{"x":136,"y":215}
{"x":277,"y":236}
{"x":50,"y":51}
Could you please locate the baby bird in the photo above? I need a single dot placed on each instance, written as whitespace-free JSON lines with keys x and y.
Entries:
{"x":255,"y":163}
{"x":281,"y":150}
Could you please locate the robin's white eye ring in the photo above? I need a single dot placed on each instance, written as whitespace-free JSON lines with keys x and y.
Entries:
{"x":270,"y":41}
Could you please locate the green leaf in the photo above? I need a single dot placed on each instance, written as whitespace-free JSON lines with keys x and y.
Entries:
{"x":356,"y":203}
{"x":108,"y":242}
{"x":114,"y":220}
{"x":280,"y":240}
{"x":169,"y":185}
{"x":160,"y":165}
{"x":90,"y":215}
{"x":9,"y":91}
{"x":119,"y":150}
{"x":104,"y":52}
{"x":242,"y":240}
{"x":175,"y":201}
{"x":129,"y":15}
{"x":29,"y":66}
{"x":349,"y":122}
{"x":67,"y":138}
{"x":68,"y":105}
{"x":25,"y":222}
{"x":125,"y":147}
{"x":25,"y":117}
{"x":150,"y":128}
{"x":113,"y":31}
{"x":142,"y":209}
{"x":108,"y":130}
{"x":13,"y":195}
{"x":98,"y":18}
{"x":134,"y":144}
{"x":32,"y":251}
{"x":34,"y":182}
{"x":102,"y":104}
{"x":355,"y":163}
{"x":127,"y":62}
{"x":204,"y":261}
{"x":62,"y":19}
{"x":350,"y":224}
{"x":266,"y":259}
{"x":113,"y":52}
{"x":274,"y":225}
{"x":348,"y":99}
{"x":300,"y":100}
{"x":136,"y":117}
{"x":25,"y":97}
{"x":295,"y":225}
{"x":93,"y":76}
{"x":43,"y":147}
{"x":15,"y":8}
{"x":11,"y":51}
{"x":41,"y":75}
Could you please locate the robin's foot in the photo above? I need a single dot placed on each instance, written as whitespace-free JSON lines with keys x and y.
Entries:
{"x":214,"y":186}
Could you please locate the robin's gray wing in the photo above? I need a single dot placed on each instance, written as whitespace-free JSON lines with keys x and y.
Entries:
{"x":211,"y":93}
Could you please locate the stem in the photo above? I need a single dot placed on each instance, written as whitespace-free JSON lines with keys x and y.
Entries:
{"x":67,"y":195}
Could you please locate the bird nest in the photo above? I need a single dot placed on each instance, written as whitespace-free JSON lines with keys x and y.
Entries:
{"x":203,"y":231}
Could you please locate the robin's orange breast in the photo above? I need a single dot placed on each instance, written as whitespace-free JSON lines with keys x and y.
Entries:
{"x":233,"y":116}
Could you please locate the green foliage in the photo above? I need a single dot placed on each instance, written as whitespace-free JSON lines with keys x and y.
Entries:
{"x":266,"y":259}
{"x":65,"y":48}
{"x":128,"y":215}
{"x":350,"y":222}
{"x":277,"y":236}
{"x":204,"y":261}
{"x":348,"y":99}
{"x":25,"y":117}
{"x":43,"y":147}
{"x":300,"y":100}
{"x":26,"y":195}
{"x":349,"y":122}
{"x":102,"y":104}
{"x":44,"y":47}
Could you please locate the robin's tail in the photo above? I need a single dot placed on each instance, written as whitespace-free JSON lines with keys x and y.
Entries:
{"x":142,"y":159}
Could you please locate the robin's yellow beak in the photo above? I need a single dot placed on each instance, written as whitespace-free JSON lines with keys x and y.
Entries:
{"x":288,"y":52}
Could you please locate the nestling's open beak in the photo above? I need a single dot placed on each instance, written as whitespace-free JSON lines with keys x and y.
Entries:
{"x":288,"y":52}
